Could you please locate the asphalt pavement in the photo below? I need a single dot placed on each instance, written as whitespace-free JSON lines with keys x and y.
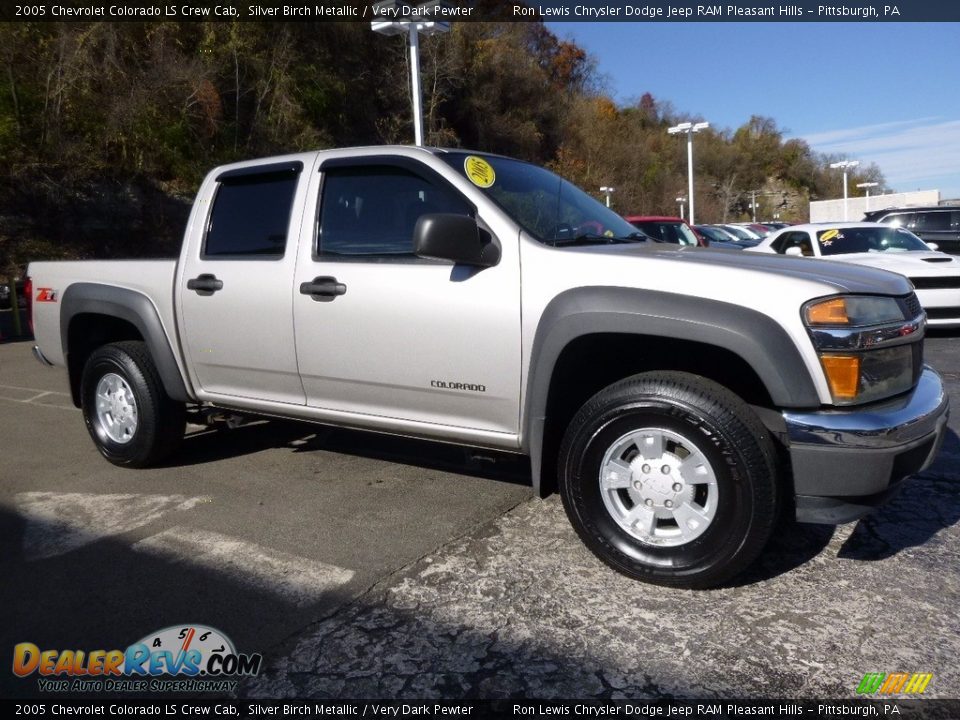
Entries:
{"x":364,"y":566}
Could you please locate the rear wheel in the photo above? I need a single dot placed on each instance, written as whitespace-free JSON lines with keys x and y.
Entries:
{"x":127,"y":412}
{"x":670,"y":478}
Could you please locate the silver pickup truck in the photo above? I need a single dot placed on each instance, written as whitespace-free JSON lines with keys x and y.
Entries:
{"x":680,"y":399}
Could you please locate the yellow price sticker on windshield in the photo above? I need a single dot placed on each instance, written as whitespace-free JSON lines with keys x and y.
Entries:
{"x":828,"y":236}
{"x":479,"y":171}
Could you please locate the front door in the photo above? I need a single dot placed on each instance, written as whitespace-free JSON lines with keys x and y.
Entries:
{"x":391,"y":335}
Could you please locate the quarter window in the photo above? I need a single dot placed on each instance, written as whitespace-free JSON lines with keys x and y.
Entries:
{"x":372,"y":211}
{"x":251,"y":216}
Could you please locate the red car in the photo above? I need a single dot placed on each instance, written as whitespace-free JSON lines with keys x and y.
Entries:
{"x":667,"y":229}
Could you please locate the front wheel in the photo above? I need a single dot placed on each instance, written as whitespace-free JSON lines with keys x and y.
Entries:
{"x":670,"y":478}
{"x":128,"y":414}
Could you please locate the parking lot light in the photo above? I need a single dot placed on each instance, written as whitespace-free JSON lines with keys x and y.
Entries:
{"x":845,"y":165}
{"x":681,"y":200}
{"x":867,"y":185}
{"x":606,"y":190}
{"x":413,"y":28}
{"x":689,"y":129}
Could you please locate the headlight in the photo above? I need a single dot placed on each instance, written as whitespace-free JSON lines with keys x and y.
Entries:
{"x":854,"y":310}
{"x":869,"y":346}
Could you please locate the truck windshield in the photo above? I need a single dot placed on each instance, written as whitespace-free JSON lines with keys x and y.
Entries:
{"x":548,"y":207}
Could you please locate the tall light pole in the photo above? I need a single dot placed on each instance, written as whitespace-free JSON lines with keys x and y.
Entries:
{"x":608,"y":191}
{"x":387,"y":12}
{"x":681,"y":200}
{"x":845,"y":165}
{"x":689,"y":129}
{"x":867,"y":185}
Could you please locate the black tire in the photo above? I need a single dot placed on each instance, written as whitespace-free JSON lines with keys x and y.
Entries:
{"x":721,"y":428}
{"x":160,"y":421}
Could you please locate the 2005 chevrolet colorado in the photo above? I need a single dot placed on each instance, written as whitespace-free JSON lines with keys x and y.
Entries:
{"x":678,"y":398}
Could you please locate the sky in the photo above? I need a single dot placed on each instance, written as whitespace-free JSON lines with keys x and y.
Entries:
{"x":884,"y":93}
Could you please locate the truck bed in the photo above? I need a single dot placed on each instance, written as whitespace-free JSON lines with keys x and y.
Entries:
{"x":152,"y":278}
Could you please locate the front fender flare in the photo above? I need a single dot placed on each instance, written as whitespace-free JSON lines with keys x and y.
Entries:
{"x":756,"y":338}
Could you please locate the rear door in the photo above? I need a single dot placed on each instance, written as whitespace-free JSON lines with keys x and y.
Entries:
{"x":236,"y":287}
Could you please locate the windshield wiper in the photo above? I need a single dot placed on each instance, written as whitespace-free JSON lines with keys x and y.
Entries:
{"x":594,"y":239}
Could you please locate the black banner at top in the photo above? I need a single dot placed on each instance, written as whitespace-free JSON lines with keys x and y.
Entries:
{"x":481,"y":11}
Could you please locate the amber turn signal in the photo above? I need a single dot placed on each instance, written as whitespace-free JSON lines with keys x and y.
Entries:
{"x":829,"y":312}
{"x":843,"y":375}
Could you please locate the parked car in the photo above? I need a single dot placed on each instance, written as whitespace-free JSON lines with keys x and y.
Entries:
{"x":719,"y":238}
{"x":935,"y":275}
{"x":5,"y":294}
{"x":742,"y":234}
{"x":667,"y":229}
{"x":938,"y":224}
{"x":433,"y":293}
{"x":758,"y":229}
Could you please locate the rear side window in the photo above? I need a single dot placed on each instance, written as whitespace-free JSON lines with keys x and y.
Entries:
{"x":794,"y":239}
{"x":371,"y":211}
{"x":251,"y":216}
{"x":904,"y":220}
{"x":933,"y":221}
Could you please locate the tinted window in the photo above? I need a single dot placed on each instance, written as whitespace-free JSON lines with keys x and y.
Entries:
{"x":373,"y":210}
{"x":901,"y":220}
{"x":251,"y":215}
{"x":933,"y":221}
{"x":795,"y":239}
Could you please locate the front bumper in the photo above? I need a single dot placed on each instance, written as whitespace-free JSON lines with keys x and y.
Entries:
{"x":846,"y":462}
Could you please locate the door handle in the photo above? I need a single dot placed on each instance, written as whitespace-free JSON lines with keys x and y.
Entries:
{"x":323,"y":289}
{"x":205,"y":283}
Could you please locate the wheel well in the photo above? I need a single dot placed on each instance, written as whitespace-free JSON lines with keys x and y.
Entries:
{"x":592,"y":362}
{"x":86,"y":333}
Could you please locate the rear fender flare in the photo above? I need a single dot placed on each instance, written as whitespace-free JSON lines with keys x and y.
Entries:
{"x":135,"y":308}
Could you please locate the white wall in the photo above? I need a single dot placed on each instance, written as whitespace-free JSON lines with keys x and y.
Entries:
{"x":832,"y":210}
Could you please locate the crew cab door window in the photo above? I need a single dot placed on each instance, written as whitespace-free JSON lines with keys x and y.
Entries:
{"x":369,"y":212}
{"x":250,"y":216}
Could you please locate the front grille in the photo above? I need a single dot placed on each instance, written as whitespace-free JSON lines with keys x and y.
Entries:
{"x":943,"y":313}
{"x":911,"y":304}
{"x":935,"y":283}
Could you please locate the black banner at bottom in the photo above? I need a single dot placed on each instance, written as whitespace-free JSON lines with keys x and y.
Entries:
{"x":696,"y":710}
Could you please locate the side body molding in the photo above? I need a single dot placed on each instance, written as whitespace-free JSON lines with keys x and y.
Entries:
{"x":136,"y":309}
{"x":756,"y":338}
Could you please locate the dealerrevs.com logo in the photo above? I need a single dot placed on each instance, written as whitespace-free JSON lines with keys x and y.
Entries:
{"x":189,"y":658}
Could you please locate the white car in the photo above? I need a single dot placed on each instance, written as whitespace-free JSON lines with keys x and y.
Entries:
{"x":935,"y":275}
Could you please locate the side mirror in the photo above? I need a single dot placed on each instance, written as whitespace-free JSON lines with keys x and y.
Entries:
{"x":447,"y":236}
{"x":933,"y":246}
{"x":794,"y":250}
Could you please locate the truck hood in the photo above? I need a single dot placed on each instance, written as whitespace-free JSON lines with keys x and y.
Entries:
{"x":843,"y":277}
